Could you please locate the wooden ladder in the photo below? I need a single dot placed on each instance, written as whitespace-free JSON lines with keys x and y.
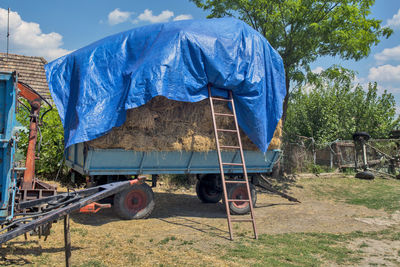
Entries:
{"x":222,"y":164}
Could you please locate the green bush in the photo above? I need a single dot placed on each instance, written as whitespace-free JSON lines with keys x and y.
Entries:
{"x":50,"y":143}
{"x":333,"y":106}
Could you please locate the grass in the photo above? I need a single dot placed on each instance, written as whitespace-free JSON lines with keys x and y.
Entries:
{"x":320,"y":249}
{"x":304,"y":249}
{"x":80,"y":231}
{"x":375,"y":194}
{"x":294,"y":250}
{"x":93,"y":263}
{"x":167,"y":239}
{"x":174,"y":241}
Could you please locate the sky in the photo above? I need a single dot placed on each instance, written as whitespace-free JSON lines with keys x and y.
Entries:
{"x":53,"y":28}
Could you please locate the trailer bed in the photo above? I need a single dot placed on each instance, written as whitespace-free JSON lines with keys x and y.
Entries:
{"x":91,"y":161}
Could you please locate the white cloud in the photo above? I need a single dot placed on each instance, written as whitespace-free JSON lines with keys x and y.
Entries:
{"x":183,"y":17}
{"x":395,"y":21}
{"x":318,"y":70}
{"x":28,"y":39}
{"x":388,"y":54}
{"x":148,"y":16}
{"x":117,"y":16}
{"x":385,"y":73}
{"x":360,"y":81}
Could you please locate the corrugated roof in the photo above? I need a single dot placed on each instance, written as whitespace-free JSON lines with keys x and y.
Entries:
{"x":30,"y":70}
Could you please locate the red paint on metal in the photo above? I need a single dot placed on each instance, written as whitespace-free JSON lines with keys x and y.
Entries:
{"x":136,"y":200}
{"x":94,"y":207}
{"x":240,"y":193}
{"x":35,"y":102}
{"x":138,"y":180}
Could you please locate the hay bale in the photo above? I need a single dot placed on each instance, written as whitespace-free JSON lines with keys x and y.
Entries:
{"x":168,"y":125}
{"x":276,"y":141}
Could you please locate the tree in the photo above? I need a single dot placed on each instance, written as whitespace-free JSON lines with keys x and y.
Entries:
{"x":303,"y":30}
{"x":50,"y":146}
{"x":331,"y":107}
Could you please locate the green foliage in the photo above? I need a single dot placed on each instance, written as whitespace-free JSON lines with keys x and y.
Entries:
{"x":303,"y":30}
{"x":51,"y":153}
{"x":330,"y":107}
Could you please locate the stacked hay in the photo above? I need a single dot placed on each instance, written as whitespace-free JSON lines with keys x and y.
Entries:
{"x":167,"y":125}
{"x":276,"y":141}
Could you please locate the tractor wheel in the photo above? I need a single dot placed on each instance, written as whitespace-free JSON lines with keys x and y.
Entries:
{"x":207,"y":189}
{"x":361,"y":136}
{"x":135,"y":202}
{"x":239,"y":191}
{"x":365,"y":175}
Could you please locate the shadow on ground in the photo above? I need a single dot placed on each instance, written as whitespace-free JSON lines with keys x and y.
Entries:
{"x":168,"y":205}
{"x":13,"y":254}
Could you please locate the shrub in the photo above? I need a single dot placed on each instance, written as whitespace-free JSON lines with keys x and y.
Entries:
{"x":50,"y":143}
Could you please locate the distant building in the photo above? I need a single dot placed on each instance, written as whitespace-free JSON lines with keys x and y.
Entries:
{"x":30,"y":71}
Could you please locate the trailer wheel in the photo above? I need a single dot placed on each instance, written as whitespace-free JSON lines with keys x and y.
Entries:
{"x":207,"y":189}
{"x":365,"y":175}
{"x":136,"y":202}
{"x":239,"y":191}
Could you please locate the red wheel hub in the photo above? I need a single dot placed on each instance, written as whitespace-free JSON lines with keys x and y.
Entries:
{"x":240,"y":193}
{"x":135,"y":200}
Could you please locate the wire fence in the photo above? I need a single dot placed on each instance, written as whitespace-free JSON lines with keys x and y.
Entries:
{"x":306,"y":155}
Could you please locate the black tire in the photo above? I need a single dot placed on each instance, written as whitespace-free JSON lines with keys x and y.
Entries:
{"x":207,"y":189}
{"x":365,"y":175}
{"x":136,"y":202}
{"x":361,"y":136}
{"x":239,"y":191}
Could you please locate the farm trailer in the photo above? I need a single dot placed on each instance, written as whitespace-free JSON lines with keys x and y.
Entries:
{"x":110,"y":165}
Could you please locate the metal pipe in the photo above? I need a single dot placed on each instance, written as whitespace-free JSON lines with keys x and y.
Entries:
{"x":29,"y":173}
{"x":67,"y":241}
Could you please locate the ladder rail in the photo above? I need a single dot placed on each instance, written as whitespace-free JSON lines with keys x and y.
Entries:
{"x":244,"y":167}
{"x":222,"y":164}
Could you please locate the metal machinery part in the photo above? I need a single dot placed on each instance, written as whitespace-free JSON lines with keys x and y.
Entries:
{"x":56,"y":207}
{"x":8,"y":140}
{"x":30,"y":187}
{"x":365,"y":171}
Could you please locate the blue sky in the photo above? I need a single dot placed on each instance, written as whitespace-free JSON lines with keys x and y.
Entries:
{"x":52,"y":28}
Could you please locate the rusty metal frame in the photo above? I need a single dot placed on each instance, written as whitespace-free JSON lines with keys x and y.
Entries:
{"x":56,"y":207}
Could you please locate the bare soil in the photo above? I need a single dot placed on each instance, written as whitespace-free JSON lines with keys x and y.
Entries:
{"x":182,"y":231}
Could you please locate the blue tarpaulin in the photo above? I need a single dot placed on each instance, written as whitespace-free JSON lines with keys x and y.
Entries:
{"x":93,"y":87}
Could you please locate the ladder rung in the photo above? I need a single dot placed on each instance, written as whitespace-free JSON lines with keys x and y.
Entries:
{"x":235,"y":182}
{"x":242,"y":220}
{"x":224,"y":114}
{"x":235,"y":147}
{"x":227,"y":130}
{"x":239,"y":200}
{"x":221,"y":99}
{"x":233,"y":164}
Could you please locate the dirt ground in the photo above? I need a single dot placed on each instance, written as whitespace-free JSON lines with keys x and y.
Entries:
{"x":183,"y":231}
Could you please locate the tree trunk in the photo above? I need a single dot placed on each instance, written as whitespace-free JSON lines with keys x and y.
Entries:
{"x":286,"y":100}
